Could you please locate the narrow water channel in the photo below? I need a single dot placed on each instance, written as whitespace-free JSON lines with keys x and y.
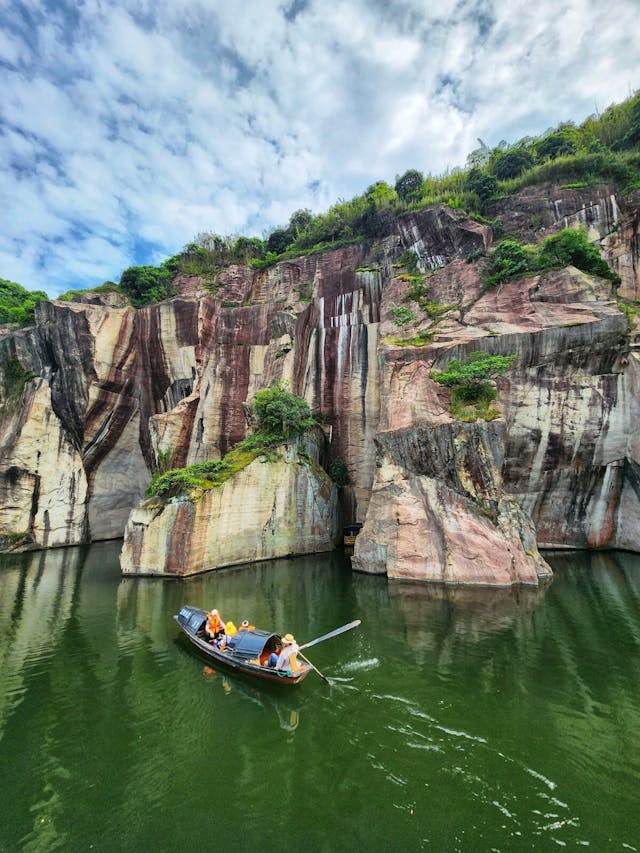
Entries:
{"x":466,"y":720}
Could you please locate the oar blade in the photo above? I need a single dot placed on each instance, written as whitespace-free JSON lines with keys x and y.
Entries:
{"x":333,"y":633}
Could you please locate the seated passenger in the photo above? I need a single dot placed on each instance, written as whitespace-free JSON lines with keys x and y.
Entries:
{"x":246,"y":626}
{"x":215,"y":626}
{"x":287,"y":660}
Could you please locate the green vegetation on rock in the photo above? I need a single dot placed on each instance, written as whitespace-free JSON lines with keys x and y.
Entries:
{"x":605,"y":148}
{"x":278,"y":415}
{"x":470,"y":386}
{"x":569,"y":247}
{"x":14,"y":377}
{"x":17,"y":304}
{"x":106,"y":287}
{"x":402,"y":315}
{"x":631,"y":312}
{"x":339,"y":472}
{"x":147,"y":284}
{"x":203,"y":475}
{"x":420,"y":339}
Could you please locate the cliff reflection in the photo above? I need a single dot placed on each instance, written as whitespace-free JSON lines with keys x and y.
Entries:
{"x":262,"y":593}
{"x":35,"y":606}
{"x":472,"y":612}
{"x":429,"y":610}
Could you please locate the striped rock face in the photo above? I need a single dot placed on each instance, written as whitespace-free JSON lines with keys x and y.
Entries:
{"x":274,"y":507}
{"x":119,"y":390}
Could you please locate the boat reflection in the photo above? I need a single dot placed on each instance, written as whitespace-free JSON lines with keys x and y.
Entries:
{"x":287,"y":708}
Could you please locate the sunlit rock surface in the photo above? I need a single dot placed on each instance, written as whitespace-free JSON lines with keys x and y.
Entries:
{"x":439,"y":513}
{"x":277,"y":506}
{"x":43,"y":488}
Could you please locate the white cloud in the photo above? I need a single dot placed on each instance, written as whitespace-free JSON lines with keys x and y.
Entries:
{"x":126,"y":128}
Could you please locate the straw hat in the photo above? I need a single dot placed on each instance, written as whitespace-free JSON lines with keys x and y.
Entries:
{"x":288,"y":640}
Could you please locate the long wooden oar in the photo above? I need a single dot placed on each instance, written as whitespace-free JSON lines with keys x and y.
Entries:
{"x":323,"y":677}
{"x":330,"y":634}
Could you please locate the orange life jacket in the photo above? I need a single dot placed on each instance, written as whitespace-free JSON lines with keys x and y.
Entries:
{"x":214,"y":624}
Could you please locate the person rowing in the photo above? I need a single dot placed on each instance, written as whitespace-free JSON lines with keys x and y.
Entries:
{"x":287,"y":660}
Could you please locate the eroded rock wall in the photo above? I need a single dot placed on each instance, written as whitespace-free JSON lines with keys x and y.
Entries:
{"x":277,"y":506}
{"x":439,"y":511}
{"x":562,"y":462}
{"x":126,"y":389}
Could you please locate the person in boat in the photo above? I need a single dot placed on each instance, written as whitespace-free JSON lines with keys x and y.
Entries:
{"x":245,"y":625}
{"x":230,"y":631}
{"x":287,"y":660}
{"x":214,"y":627}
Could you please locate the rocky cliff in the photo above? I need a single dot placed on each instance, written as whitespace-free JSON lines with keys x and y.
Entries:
{"x":114,"y":389}
{"x":282,"y":503}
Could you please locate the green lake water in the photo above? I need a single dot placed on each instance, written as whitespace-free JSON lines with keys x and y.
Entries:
{"x":470,"y":720}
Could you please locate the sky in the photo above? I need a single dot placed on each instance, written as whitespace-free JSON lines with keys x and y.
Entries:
{"x":127,"y":128}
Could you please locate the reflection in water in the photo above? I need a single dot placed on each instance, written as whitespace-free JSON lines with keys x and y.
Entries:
{"x":35,"y":606}
{"x":473,"y":612}
{"x":471,"y":719}
{"x":287,"y":708}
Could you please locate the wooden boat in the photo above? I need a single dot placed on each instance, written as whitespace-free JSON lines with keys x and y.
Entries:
{"x":350,"y":532}
{"x":248,"y":651}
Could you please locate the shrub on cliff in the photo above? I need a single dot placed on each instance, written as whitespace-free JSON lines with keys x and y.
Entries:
{"x":510,"y":260}
{"x":339,"y":472}
{"x":572,"y":247}
{"x":13,"y":377}
{"x":470,"y":385}
{"x":569,"y":247}
{"x":17,"y":303}
{"x":279,"y":414}
{"x":144,"y":285}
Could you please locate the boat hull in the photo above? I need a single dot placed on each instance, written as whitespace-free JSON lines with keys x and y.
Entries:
{"x":236,"y":662}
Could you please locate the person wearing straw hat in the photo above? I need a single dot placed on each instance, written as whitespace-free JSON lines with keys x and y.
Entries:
{"x":287,"y":660}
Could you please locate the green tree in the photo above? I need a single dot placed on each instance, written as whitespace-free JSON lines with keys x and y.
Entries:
{"x":382,"y":194}
{"x":246,"y":248}
{"x":279,"y":414}
{"x":512,"y":163}
{"x":409,"y":184}
{"x":480,"y":183}
{"x":510,"y":260}
{"x":572,"y":247}
{"x":299,"y":221}
{"x":17,"y":303}
{"x":555,"y":145}
{"x":339,"y":472}
{"x":468,"y":378}
{"x":146,"y":284}
{"x":279,"y":240}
